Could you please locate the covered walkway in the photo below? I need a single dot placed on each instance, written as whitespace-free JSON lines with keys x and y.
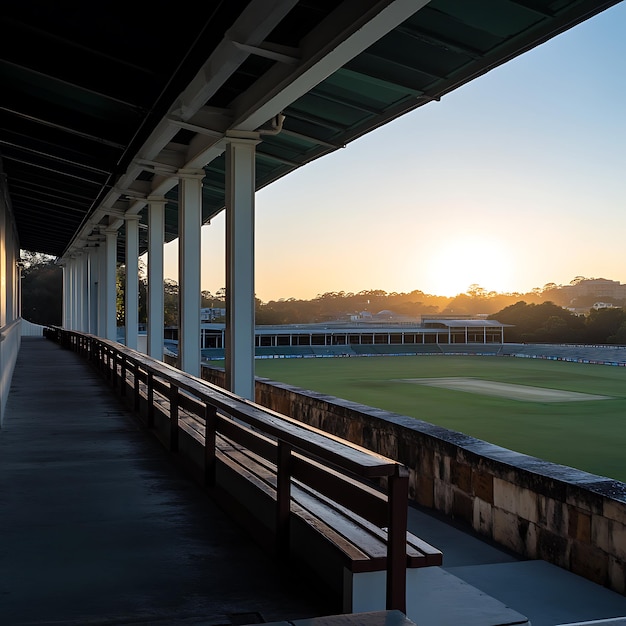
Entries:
{"x":100,"y":527}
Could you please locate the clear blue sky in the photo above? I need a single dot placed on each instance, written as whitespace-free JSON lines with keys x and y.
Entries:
{"x":512,"y":181}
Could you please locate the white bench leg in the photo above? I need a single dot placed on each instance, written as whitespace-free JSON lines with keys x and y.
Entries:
{"x":367,"y":591}
{"x":364,"y":592}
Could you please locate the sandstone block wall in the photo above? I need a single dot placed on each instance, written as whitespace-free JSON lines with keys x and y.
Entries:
{"x":538,"y":509}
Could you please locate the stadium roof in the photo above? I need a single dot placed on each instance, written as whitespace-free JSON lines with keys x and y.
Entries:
{"x":356,"y":328}
{"x":469,"y":323}
{"x":103,"y":104}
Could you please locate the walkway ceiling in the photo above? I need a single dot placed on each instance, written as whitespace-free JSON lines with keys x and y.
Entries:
{"x":100,"y":109}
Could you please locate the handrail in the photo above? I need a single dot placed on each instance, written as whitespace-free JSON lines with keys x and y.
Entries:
{"x":326,"y":446}
{"x":295,"y":442}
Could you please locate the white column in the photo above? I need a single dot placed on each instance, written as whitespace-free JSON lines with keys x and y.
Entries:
{"x":19,"y":291}
{"x":85,"y":291}
{"x":76,"y":290}
{"x":156,"y":238}
{"x":110,"y":291}
{"x":4,"y":222}
{"x":131,"y":301}
{"x":189,"y":225}
{"x":240,"y":325}
{"x":94,"y":283}
{"x":79,"y":289}
{"x":101,"y":296}
{"x":63,"y":265}
{"x":71,"y":305}
{"x":67,"y":291}
{"x":10,"y":280}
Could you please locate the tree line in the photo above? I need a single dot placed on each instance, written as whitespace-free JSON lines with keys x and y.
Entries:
{"x":550,"y":323}
{"x":535,"y":317}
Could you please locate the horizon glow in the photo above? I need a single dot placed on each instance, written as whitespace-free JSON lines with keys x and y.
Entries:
{"x":512,"y":181}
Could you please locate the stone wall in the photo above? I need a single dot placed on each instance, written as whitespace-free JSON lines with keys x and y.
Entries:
{"x":538,"y":509}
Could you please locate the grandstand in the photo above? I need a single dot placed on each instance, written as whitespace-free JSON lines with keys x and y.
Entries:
{"x":600,"y":354}
{"x":447,"y":335}
{"x":433,"y":335}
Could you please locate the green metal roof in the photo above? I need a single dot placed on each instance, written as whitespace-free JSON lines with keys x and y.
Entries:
{"x":87,"y":98}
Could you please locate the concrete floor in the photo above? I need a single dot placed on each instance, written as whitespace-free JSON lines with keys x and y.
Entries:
{"x":546,"y":594}
{"x":99,"y":527}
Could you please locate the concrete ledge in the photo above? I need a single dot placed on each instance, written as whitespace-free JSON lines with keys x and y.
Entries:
{"x":553,"y":595}
{"x":376,"y":618}
{"x":438,"y":598}
{"x":616,"y":621}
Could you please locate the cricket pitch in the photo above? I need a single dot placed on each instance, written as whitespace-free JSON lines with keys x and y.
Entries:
{"x":504,"y":390}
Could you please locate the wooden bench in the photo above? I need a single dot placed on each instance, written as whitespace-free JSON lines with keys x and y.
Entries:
{"x":345,"y":550}
{"x":332,"y":508}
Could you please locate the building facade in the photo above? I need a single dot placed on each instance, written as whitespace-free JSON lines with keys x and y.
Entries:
{"x":354,"y":338}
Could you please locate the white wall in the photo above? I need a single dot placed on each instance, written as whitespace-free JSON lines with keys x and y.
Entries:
{"x":10,"y":336}
{"x":28,"y":329}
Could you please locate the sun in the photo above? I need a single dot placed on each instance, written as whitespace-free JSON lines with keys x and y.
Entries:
{"x":471,"y":260}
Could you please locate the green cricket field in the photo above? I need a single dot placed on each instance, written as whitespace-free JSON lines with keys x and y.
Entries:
{"x":568,"y":413}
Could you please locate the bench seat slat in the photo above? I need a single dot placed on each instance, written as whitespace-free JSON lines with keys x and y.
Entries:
{"x":419,"y":553}
{"x":363,"y":544}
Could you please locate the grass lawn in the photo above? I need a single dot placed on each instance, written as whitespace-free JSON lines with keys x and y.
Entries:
{"x":590,"y":434}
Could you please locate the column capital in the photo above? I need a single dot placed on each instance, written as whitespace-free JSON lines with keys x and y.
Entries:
{"x":243,"y":136}
{"x":191,"y":174}
{"x":152,"y":200}
{"x":132,"y":217}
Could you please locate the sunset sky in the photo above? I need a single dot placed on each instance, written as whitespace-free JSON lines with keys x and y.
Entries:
{"x":515,"y":180}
